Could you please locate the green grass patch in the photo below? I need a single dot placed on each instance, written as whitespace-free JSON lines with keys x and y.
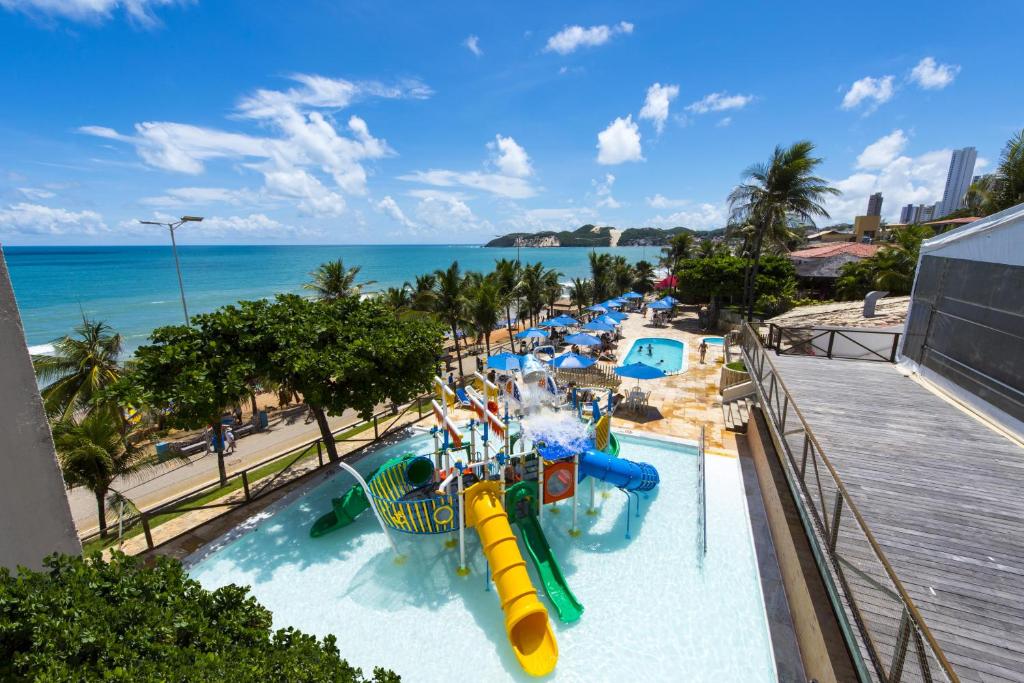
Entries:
{"x":737,"y":365}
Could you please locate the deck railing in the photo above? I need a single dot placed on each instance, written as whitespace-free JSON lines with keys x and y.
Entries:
{"x":851,"y":343}
{"x":252,"y":484}
{"x":884,"y":629}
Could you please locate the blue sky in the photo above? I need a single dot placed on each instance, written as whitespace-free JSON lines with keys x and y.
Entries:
{"x":443,"y":122}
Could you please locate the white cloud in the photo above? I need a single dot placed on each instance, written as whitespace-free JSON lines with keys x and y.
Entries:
{"x":572,"y":37}
{"x":36,"y":193}
{"x":390,"y":207}
{"x":495,"y":183}
{"x":203,"y":196}
{"x":92,"y":11}
{"x":510,"y":158}
{"x":719,"y":101}
{"x":24,"y":218}
{"x":882,"y":151}
{"x":449,"y":214}
{"x":722,"y":123}
{"x":659,"y":201}
{"x":700,"y":217}
{"x":619,"y":142}
{"x":562,"y":218}
{"x":426,"y":193}
{"x":931,"y":75}
{"x":878,"y":90}
{"x":657,"y":103}
{"x":603,"y":190}
{"x":306,"y":147}
{"x":227,"y":228}
{"x":472,"y":43}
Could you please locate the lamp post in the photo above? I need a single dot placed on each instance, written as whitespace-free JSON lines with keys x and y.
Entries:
{"x":174,"y":247}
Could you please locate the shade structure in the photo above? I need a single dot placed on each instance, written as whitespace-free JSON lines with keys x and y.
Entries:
{"x":532,"y":333}
{"x":667,"y":283}
{"x":505,"y":361}
{"x":572,"y":360}
{"x":583,"y":340}
{"x":616,"y":316}
{"x":598,"y":326}
{"x":597,"y":308}
{"x":632,"y":295}
{"x":671,"y":299}
{"x":610,"y":319}
{"x":660,"y":305}
{"x":639,"y":371}
{"x":611,"y":303}
{"x":565,"y":321}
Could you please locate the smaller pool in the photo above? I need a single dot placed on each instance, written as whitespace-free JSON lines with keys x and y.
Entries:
{"x":665,"y":354}
{"x":714,"y":341}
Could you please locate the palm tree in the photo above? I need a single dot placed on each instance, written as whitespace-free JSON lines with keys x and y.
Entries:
{"x":1010,"y":174}
{"x":398,"y":299}
{"x":93,"y":453}
{"x":450,"y":302}
{"x":532,"y":288}
{"x":678,"y":248}
{"x":332,"y":280}
{"x":708,"y":248}
{"x":552,"y":289}
{"x":600,"y":275}
{"x":484,"y":308}
{"x":509,"y":275}
{"x":622,"y":275}
{"x":775,"y":193}
{"x":643,"y":277}
{"x":423,"y":292}
{"x":580,"y":294}
{"x":79,"y":369}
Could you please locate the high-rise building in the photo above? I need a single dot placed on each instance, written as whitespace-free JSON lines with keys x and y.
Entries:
{"x":906,"y":213}
{"x":875,"y":204}
{"x":958,"y":179}
{"x":921,"y":213}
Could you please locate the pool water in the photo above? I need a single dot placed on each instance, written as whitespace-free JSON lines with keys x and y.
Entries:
{"x":714,"y":341}
{"x":665,"y":354}
{"x":652,"y":612}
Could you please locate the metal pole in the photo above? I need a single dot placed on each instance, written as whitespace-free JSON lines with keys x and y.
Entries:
{"x":540,"y":487}
{"x":177,"y":265}
{"x":462,"y":570}
{"x":575,"y":531}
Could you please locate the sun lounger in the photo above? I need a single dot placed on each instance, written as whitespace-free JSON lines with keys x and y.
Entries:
{"x":463,"y":397}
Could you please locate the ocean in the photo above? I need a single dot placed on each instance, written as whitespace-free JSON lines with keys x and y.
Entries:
{"x":135,"y":289}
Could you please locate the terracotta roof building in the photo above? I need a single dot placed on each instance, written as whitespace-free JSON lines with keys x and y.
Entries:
{"x":818,"y":267}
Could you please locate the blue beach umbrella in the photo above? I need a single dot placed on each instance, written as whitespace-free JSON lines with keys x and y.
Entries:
{"x":632,"y":295}
{"x":616,"y":316}
{"x":598,"y":326}
{"x":505,"y":361}
{"x":611,"y":303}
{"x":670,"y":299}
{"x":565,"y":321}
{"x":572,"y":360}
{"x":639,"y":371}
{"x":609,"y":319}
{"x":583,"y":340}
{"x":661,"y":305}
{"x":532,"y":333}
{"x":597,"y":308}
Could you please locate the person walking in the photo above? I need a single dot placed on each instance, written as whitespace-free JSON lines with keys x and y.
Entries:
{"x":229,"y":440}
{"x":702,"y":350}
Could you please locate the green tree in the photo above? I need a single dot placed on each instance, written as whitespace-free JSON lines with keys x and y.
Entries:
{"x":79,"y":369}
{"x":84,"y":619}
{"x":891,"y":269}
{"x":93,"y":453}
{"x":450,"y":303}
{"x":509,"y":275}
{"x":533,"y":288}
{"x":1009,"y":180}
{"x":643,"y":277}
{"x":552,"y":289}
{"x":399,"y":299}
{"x":484,"y":307}
{"x":775,"y":193}
{"x":332,"y":280}
{"x":580,"y":294}
{"x":622,"y":275}
{"x":679,"y":247}
{"x":600,"y":275}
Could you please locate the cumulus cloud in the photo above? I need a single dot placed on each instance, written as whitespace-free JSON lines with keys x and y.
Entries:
{"x":659,"y":201}
{"x":25,"y":218}
{"x":390,"y":207}
{"x":702,"y":216}
{"x":495,"y":183}
{"x":882,"y":151}
{"x":510,"y":158}
{"x":571,"y":38}
{"x":307,"y":147}
{"x":719,"y":101}
{"x":532,"y":220}
{"x":619,"y":142}
{"x":472,"y":44}
{"x":449,"y":214}
{"x":203,"y":196}
{"x":931,"y":75}
{"x":603,"y":190}
{"x":255,"y":226}
{"x":92,"y":11}
{"x":901,"y":179}
{"x":876,"y":91}
{"x":657,"y":103}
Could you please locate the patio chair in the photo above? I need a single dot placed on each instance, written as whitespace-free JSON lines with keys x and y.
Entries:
{"x":463,"y":397}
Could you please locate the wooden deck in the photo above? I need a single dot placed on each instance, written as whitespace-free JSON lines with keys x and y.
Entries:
{"x":943,"y":494}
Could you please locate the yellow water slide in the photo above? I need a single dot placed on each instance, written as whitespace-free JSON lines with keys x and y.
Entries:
{"x":526,"y":619}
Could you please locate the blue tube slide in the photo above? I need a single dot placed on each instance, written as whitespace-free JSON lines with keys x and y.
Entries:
{"x":619,"y":472}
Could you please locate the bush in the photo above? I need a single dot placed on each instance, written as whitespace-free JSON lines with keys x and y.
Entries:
{"x":86,"y":619}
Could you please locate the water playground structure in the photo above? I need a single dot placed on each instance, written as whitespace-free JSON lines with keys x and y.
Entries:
{"x":483,"y":476}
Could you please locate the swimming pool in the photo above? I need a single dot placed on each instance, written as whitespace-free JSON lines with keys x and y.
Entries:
{"x":652,"y":612}
{"x":665,"y":354}
{"x":714,"y":341}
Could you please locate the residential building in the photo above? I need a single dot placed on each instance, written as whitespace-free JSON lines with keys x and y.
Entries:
{"x":921,"y":213}
{"x":818,"y":267}
{"x":958,"y":179}
{"x":867,"y":228}
{"x":875,"y":204}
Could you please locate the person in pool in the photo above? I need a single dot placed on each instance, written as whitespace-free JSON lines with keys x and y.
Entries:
{"x":650,"y":350}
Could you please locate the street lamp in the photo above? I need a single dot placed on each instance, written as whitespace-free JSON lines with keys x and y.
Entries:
{"x":174,"y":247}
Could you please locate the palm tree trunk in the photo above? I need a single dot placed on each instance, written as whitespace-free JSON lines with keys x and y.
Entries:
{"x":458,"y":351}
{"x":101,"y":511}
{"x":487,"y":342}
{"x":752,"y":285}
{"x":255,"y":411}
{"x":325,"y":431}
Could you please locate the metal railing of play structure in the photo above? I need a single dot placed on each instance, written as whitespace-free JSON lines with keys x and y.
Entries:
{"x":850,"y":343}
{"x":702,"y":494}
{"x":880,"y":622}
{"x":254,"y":484}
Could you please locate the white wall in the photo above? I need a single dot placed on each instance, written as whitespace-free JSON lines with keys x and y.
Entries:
{"x":35,"y":519}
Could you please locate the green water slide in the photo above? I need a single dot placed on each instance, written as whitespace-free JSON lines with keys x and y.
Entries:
{"x":521,"y":504}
